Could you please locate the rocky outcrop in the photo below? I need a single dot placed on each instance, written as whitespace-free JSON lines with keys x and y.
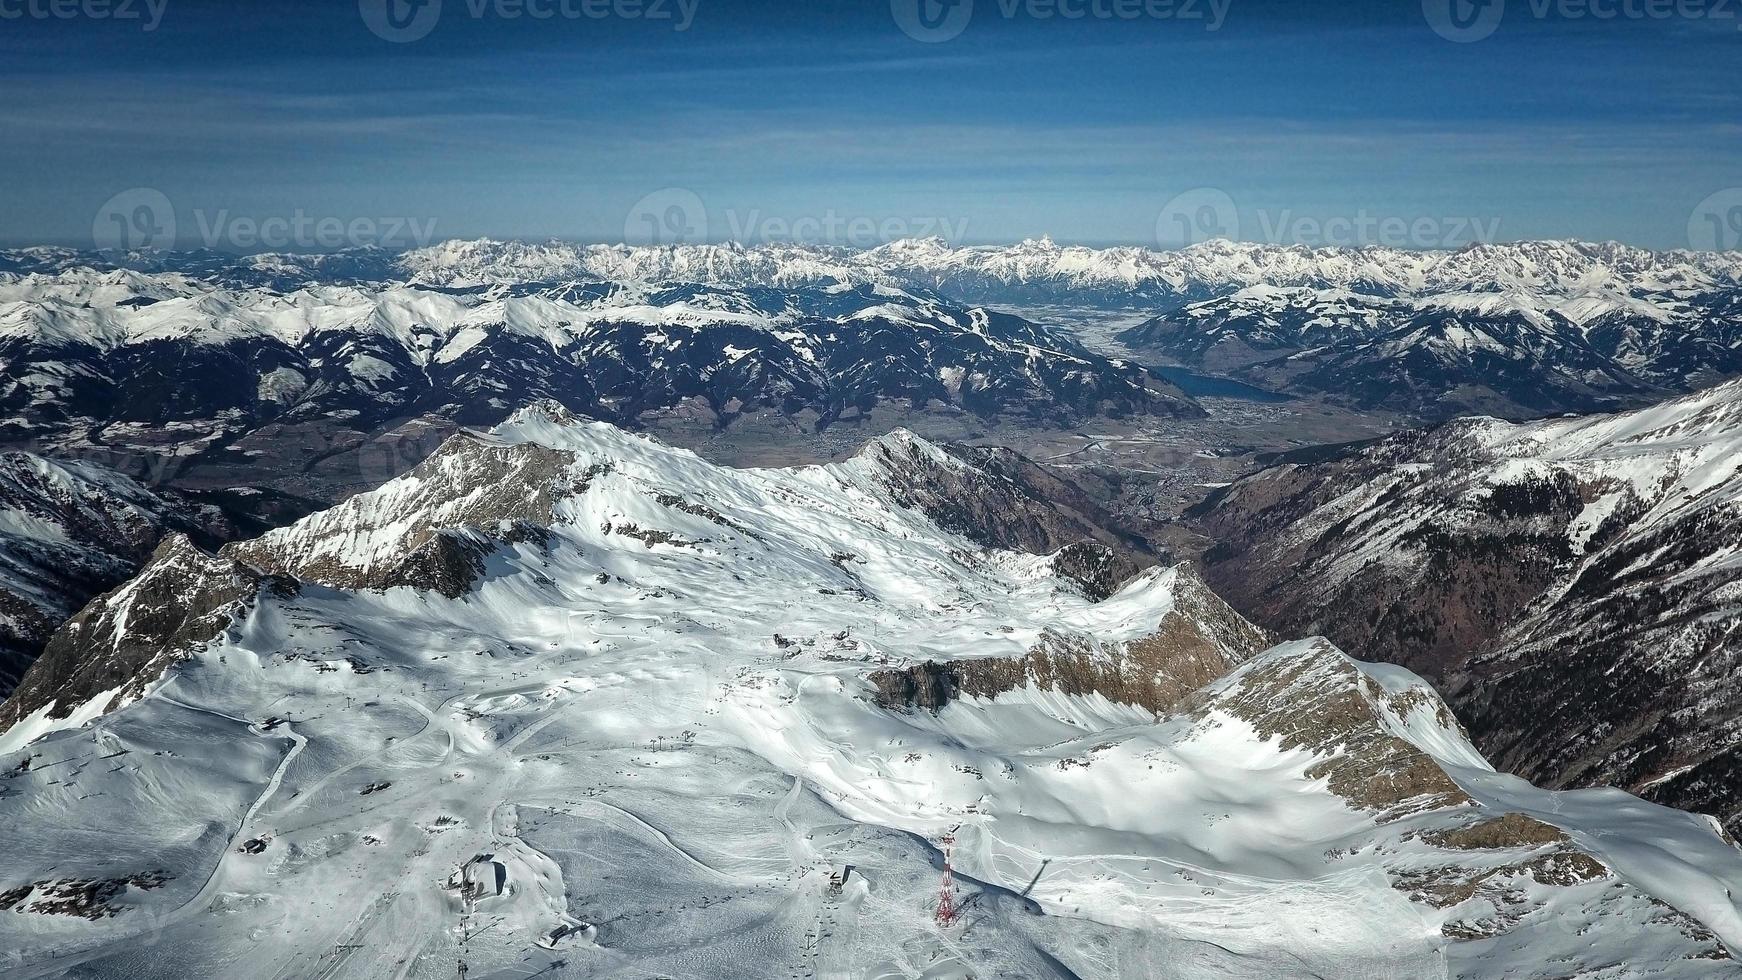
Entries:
{"x":432,"y":528}
{"x":1198,"y":641}
{"x":124,"y":640}
{"x":70,"y":530}
{"x":1001,"y":499}
{"x":1312,"y":696}
{"x":1382,"y":741}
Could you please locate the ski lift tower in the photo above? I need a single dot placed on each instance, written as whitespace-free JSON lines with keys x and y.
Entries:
{"x":947,"y":911}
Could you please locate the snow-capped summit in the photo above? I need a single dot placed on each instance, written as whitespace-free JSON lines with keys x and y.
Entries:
{"x":564,"y":699}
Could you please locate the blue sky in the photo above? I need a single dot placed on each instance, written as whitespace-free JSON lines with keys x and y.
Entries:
{"x":826,"y":115}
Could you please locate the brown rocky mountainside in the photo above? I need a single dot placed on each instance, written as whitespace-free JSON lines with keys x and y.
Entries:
{"x":1574,"y":586}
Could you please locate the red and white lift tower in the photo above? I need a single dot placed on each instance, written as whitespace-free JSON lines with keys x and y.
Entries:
{"x":947,"y":910}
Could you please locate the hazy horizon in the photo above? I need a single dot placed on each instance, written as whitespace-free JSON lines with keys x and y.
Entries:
{"x":1097,"y":121}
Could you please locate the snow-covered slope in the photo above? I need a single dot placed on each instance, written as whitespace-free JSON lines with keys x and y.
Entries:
{"x":1577,"y":581}
{"x":565,"y":702}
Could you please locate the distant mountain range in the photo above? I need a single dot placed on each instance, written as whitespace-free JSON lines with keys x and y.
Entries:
{"x":1519,"y":330}
{"x":1036,"y":271}
{"x":1517,"y":353}
{"x":100,"y":361}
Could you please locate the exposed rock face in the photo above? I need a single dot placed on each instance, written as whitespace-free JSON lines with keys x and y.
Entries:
{"x":1317,"y":699}
{"x":1503,"y":859}
{"x":448,"y":562}
{"x":125,"y":639}
{"x":81,"y":897}
{"x":1327,"y":548}
{"x":1365,"y":726}
{"x":1100,"y":569}
{"x":998,"y":498}
{"x":69,"y":531}
{"x":928,"y":686}
{"x":433,"y":528}
{"x":1198,"y":641}
{"x":1629,"y":671}
{"x":1572,"y":583}
{"x":1506,"y":830}
{"x":1493,"y":897}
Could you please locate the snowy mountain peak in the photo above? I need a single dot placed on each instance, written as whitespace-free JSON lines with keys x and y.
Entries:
{"x":900,"y":447}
